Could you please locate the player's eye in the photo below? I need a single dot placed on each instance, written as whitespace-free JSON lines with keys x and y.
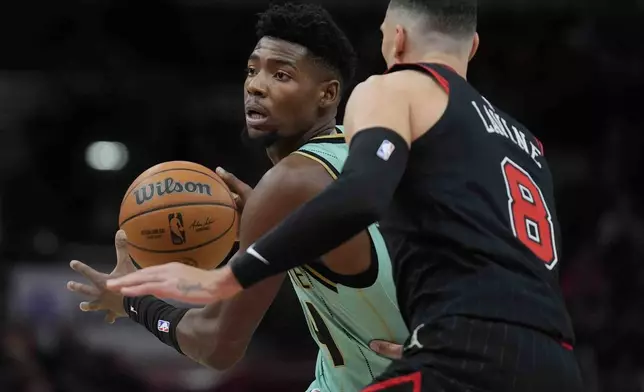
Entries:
{"x":282,"y":76}
{"x":251,"y":71}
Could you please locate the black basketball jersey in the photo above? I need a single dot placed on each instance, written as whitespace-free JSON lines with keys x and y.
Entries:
{"x":472,"y":229}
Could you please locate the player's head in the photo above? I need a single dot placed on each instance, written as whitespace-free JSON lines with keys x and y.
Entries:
{"x":414,"y":28}
{"x":296,"y":73}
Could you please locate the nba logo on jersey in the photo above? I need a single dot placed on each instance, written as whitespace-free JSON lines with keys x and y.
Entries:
{"x":386,"y":149}
{"x":163,"y":326}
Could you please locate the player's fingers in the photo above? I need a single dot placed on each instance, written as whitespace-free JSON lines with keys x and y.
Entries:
{"x":229,"y":178}
{"x":83,"y":289}
{"x":91,"y":306}
{"x":134,"y":279}
{"x":120,"y":243}
{"x":387,"y":349}
{"x":239,"y":201}
{"x":87,"y":271}
{"x":110,"y":317}
{"x":157,"y":289}
{"x":235,"y":184}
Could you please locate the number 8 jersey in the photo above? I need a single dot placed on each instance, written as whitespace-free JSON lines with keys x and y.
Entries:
{"x":345,"y":313}
{"x":472,"y":229}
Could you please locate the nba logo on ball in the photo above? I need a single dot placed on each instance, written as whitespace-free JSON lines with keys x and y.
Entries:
{"x":177,"y":232}
{"x":163,"y":326}
{"x":386,"y":149}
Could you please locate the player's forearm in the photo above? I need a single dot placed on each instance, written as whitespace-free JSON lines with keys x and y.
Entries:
{"x":218,"y":334}
{"x":358,"y":198}
{"x":197,"y":336}
{"x":192,"y":332}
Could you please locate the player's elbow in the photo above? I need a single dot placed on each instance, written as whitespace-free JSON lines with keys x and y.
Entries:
{"x":220,"y":354}
{"x":372,"y":203}
{"x":204,"y":340}
{"x":369,"y":209}
{"x":223,"y":358}
{"x":370,"y":212}
{"x":377,"y":206}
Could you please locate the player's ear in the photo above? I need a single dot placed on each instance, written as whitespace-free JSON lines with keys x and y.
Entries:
{"x":400,"y":43}
{"x":475,"y":46}
{"x":329,"y":93}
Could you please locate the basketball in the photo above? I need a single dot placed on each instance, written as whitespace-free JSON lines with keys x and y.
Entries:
{"x":179,"y":211}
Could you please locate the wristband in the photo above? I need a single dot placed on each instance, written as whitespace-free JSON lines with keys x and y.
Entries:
{"x":157,"y":316}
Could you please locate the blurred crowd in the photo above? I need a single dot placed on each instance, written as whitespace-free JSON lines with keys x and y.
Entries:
{"x":173,"y":91}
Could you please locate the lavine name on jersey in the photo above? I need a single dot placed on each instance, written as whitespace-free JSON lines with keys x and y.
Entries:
{"x":497,"y":124}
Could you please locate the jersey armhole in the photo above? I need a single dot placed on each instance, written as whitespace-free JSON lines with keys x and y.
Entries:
{"x":360,"y":281}
{"x":337,"y":138}
{"x":321,"y":160}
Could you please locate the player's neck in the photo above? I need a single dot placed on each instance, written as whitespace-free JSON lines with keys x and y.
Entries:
{"x":285,"y":147}
{"x":451,"y":61}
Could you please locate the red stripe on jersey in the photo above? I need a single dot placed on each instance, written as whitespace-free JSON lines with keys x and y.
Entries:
{"x":413,"y":378}
{"x":540,"y":145}
{"x":450,"y":68}
{"x":440,"y":79}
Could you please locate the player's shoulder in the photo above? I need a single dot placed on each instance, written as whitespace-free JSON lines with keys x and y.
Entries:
{"x":293,"y":176}
{"x":394,"y":85}
{"x":377,"y":90}
{"x":378,"y":84}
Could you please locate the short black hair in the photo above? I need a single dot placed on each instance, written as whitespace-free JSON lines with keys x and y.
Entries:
{"x":313,"y":27}
{"x":451,"y":17}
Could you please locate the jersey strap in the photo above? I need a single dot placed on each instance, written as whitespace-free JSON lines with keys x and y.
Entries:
{"x":325,"y":151}
{"x":424,"y":68}
{"x":316,"y":155}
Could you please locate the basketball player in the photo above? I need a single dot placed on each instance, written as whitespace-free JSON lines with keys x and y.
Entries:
{"x":293,"y":87}
{"x":465,"y":199}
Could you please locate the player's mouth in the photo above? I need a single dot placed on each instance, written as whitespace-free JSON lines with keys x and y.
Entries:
{"x":256,"y":115}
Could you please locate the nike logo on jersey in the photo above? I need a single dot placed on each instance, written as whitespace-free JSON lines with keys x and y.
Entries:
{"x":251,"y":251}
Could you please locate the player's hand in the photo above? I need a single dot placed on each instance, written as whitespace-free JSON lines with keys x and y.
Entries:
{"x":100,"y":297}
{"x":241,"y":191}
{"x":179,"y":282}
{"x":387,"y":349}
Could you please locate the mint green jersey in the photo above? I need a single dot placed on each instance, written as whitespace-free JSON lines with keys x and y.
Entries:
{"x":343,"y":315}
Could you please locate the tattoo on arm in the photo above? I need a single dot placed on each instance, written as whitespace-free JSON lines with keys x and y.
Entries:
{"x":186,"y":287}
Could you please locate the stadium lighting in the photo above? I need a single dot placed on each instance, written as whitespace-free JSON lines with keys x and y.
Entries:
{"x":106,"y":156}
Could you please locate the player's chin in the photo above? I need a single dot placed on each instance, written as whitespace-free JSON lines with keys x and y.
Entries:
{"x":259,"y":132}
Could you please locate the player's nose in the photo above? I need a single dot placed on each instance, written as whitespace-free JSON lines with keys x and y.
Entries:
{"x":256,"y":86}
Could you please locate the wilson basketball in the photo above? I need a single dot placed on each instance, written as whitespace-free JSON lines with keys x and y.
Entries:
{"x":179,"y":211}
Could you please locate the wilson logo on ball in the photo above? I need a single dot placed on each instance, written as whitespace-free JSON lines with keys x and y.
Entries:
{"x":169,"y":186}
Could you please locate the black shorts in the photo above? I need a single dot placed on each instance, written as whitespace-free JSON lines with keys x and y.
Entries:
{"x":462,"y":354}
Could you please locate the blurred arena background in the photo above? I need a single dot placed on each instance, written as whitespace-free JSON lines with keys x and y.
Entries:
{"x":92,"y":92}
